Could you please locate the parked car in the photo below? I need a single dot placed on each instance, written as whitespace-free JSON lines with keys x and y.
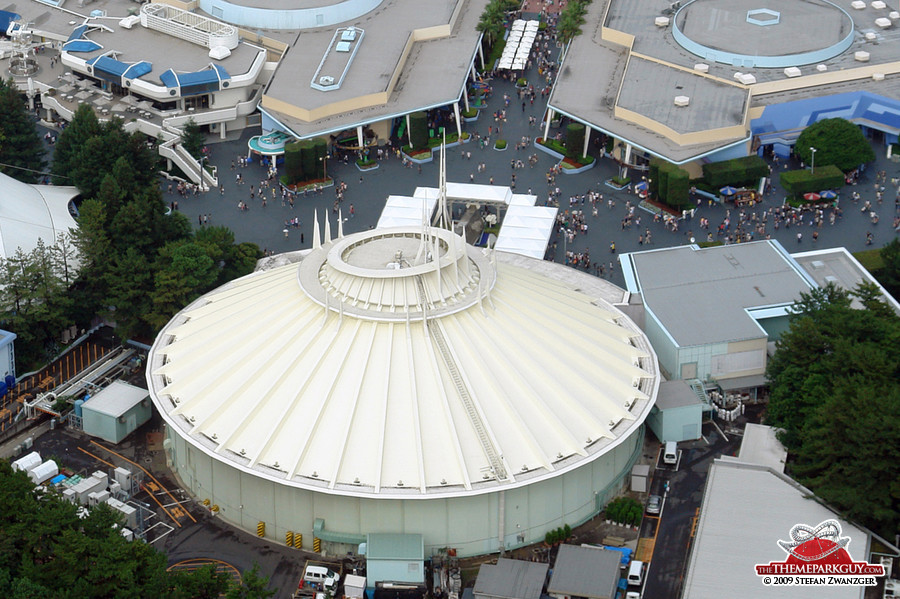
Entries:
{"x":654,"y":504}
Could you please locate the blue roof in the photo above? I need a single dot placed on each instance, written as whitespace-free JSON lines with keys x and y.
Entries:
{"x":137,"y":69}
{"x":109,"y":65}
{"x":169,"y":78}
{"x":198,"y":78}
{"x":7,"y":17}
{"x":223,"y":74}
{"x":172,"y":79}
{"x":81,"y":46}
{"x":77,"y":33}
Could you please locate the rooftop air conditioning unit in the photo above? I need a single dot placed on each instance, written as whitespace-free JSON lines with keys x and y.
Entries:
{"x":326,"y":80}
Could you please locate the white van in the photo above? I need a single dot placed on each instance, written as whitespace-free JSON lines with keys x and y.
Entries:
{"x":636,"y":573}
{"x":670,"y":455}
{"x":321,"y":575}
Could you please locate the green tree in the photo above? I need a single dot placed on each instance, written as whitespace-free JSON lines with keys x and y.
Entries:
{"x":835,"y":392}
{"x":252,"y":586}
{"x":490,"y":24}
{"x":571,"y":19}
{"x":22,"y":152}
{"x":185,"y":271}
{"x":192,"y":139}
{"x":84,"y":126}
{"x":837,"y":141}
{"x":889,"y":273}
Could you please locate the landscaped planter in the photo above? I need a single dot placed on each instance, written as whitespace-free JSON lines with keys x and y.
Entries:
{"x":370,"y":166}
{"x":580,"y":169}
{"x":545,"y":149}
{"x":498,"y":147}
{"x":424,"y":157}
{"x":610,"y":183}
{"x":471,"y":119}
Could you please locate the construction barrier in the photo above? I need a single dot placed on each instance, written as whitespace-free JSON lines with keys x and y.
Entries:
{"x":261,"y":529}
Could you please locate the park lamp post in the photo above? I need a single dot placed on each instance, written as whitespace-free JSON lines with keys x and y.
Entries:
{"x":813,"y":150}
{"x":324,"y":160}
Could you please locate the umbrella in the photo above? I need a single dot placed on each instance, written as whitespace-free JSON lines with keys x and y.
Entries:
{"x":828,"y":194}
{"x":728,"y":190}
{"x":643,"y":185}
{"x":811,"y":197}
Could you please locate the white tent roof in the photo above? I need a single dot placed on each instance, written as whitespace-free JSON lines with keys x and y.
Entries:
{"x":322,"y":374}
{"x":526,"y":230}
{"x":32,"y":212}
{"x":404,"y":211}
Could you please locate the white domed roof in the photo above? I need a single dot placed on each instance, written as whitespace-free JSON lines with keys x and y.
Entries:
{"x":384,"y":365}
{"x":32,"y":212}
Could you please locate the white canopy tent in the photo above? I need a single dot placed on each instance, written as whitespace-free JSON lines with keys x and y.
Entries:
{"x":404,"y":211}
{"x":526,"y":230}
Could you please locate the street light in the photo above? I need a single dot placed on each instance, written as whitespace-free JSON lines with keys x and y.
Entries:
{"x":813,"y":150}
{"x":324,"y":160}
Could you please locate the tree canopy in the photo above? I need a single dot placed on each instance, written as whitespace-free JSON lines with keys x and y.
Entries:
{"x":22,"y":152}
{"x":837,"y":141}
{"x":137,"y":264}
{"x":192,"y":139}
{"x":835,"y":390}
{"x":47,"y":550}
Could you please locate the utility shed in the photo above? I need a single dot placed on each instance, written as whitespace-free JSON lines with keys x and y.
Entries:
{"x":678,"y":413}
{"x":116,"y":411}
{"x":395,"y":558}
{"x":585,"y":572}
{"x":511,"y":579}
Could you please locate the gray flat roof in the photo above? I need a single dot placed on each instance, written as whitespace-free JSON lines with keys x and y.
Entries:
{"x":700,"y":295}
{"x":746,"y":509}
{"x":838,"y":266}
{"x":116,"y":399}
{"x":589,"y":80}
{"x":714,"y":104}
{"x":433,"y":74}
{"x":585,"y":572}
{"x":676,"y":394}
{"x":511,"y":579}
{"x":761,"y":446}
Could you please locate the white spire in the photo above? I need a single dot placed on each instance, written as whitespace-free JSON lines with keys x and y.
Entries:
{"x":317,"y":241}
{"x":340,"y":225}
{"x":327,"y":229}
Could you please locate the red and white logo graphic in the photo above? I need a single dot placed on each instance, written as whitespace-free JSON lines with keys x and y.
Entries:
{"x":818,"y":556}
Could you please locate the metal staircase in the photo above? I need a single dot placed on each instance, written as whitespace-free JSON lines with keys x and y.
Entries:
{"x":437,"y":335}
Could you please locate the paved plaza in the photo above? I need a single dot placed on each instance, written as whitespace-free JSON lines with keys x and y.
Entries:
{"x":367,"y":193}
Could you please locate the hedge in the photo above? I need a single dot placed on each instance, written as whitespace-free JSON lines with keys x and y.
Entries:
{"x":653,"y":177}
{"x":320,"y":150}
{"x":418,"y":129}
{"x":678,"y":193}
{"x":737,"y":172}
{"x":293,"y":165}
{"x":308,"y":159}
{"x":574,"y":140}
{"x":804,"y":181}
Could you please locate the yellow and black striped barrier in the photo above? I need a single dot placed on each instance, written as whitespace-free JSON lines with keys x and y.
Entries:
{"x":298,"y":540}
{"x":261,"y":529}
{"x":317,"y":545}
{"x":289,"y":538}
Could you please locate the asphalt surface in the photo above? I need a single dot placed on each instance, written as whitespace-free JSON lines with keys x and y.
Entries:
{"x":680,"y":507}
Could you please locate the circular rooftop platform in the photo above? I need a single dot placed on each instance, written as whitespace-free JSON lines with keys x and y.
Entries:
{"x":763,"y":33}
{"x":389,"y":365}
{"x":287,"y":14}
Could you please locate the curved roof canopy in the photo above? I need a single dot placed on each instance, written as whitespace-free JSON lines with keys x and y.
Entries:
{"x":405,"y":363}
{"x":32,"y":212}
